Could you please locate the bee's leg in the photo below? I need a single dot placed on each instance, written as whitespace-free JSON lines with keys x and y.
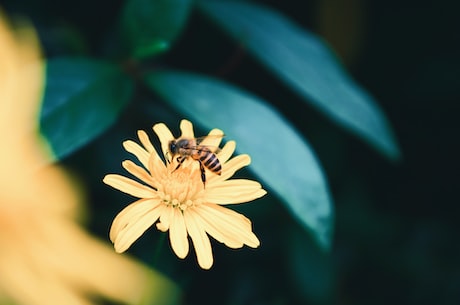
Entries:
{"x":203,"y":173}
{"x":166,"y":157}
{"x":180,"y":160}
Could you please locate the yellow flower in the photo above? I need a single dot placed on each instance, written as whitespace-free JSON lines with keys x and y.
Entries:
{"x":177,"y":200}
{"x":46,"y":258}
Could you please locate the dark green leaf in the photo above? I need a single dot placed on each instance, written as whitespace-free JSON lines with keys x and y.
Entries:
{"x":311,"y":270}
{"x":150,"y":26}
{"x":306,"y":64}
{"x":83,"y":97}
{"x":280,"y":157}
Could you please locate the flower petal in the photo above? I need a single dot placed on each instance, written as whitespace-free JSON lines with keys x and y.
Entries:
{"x":226,"y":152}
{"x":231,"y":223}
{"x":213,"y":139}
{"x":145,"y":140}
{"x":138,"y":172}
{"x":178,"y":234}
{"x":229,"y":168}
{"x":131,"y":213}
{"x":200,"y":239}
{"x":234,"y":191}
{"x":157,"y":168}
{"x":141,"y":154}
{"x":220,"y":233}
{"x":129,"y":186}
{"x":165,"y":135}
{"x":136,"y":227}
{"x":186,"y":128}
{"x":166,"y":219}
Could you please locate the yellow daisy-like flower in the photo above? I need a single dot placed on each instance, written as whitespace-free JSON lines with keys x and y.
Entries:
{"x":177,"y":199}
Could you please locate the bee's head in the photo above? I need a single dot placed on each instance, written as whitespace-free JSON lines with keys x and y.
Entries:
{"x":173,"y":147}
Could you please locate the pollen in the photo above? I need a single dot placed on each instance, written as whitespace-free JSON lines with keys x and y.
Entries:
{"x":181,"y":188}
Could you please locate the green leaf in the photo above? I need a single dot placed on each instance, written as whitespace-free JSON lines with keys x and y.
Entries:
{"x":83,"y":98}
{"x":306,"y":64}
{"x":150,"y":26}
{"x":310,"y":270}
{"x":280,"y":157}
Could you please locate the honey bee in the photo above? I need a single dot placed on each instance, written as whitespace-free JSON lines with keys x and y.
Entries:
{"x":190,"y":148}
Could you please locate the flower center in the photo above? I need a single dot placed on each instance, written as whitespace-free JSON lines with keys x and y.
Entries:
{"x":182,"y":187}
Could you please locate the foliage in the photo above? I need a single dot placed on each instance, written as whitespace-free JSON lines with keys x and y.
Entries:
{"x":149,"y":66}
{"x":294,"y":55}
{"x":85,"y":95}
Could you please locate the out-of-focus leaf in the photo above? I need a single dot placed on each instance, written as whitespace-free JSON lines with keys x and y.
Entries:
{"x":306,"y":64}
{"x":83,"y":97}
{"x":309,"y":268}
{"x":150,"y":26}
{"x":280,"y":157}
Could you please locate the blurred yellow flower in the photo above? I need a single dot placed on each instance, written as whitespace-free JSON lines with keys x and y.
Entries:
{"x":45,"y":257}
{"x":176,"y":199}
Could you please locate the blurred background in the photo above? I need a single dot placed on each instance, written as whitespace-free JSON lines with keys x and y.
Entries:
{"x":395,"y":229}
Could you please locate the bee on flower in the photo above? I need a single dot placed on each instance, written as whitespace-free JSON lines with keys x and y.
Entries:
{"x":192,"y":148}
{"x":172,"y":193}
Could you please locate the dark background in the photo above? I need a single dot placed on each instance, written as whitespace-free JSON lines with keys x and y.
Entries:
{"x":396,"y":231}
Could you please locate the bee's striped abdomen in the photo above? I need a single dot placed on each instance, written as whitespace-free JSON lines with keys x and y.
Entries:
{"x":210,"y":161}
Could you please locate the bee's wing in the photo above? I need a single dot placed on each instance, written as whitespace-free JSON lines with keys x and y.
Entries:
{"x":213,"y":148}
{"x":214,"y":136}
